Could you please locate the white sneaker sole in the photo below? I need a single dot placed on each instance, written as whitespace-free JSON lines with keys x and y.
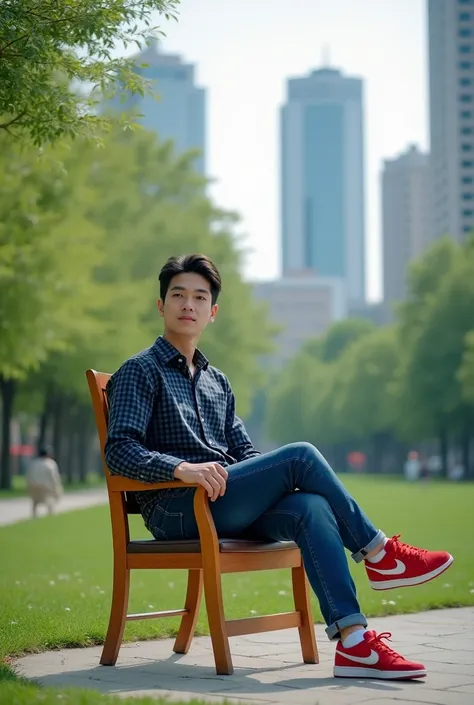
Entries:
{"x":350,"y":672}
{"x":409,"y":582}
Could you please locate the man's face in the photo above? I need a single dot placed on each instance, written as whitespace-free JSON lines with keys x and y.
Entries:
{"x":188,"y":308}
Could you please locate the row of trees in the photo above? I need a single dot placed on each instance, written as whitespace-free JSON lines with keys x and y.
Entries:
{"x":380,"y":390}
{"x":90,"y":207}
{"x":83,"y":232}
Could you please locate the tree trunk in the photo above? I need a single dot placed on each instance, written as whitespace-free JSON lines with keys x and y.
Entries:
{"x":466,"y":447}
{"x":58,"y":427}
{"x":48,"y":408}
{"x":84,"y":439}
{"x":443,"y":451}
{"x":7,"y":390}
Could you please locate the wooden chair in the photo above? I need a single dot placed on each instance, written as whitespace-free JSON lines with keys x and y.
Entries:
{"x":205,"y":559}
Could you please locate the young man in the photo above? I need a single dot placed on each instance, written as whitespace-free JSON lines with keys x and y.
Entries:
{"x":172,"y":417}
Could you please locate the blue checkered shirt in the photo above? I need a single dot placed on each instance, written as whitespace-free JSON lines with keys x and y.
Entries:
{"x":159,"y":416}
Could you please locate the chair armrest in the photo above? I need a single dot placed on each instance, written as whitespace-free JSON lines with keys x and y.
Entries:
{"x":204,"y":519}
{"x":116,"y":483}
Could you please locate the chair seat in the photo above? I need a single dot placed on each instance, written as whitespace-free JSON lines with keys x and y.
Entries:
{"x":194,"y":546}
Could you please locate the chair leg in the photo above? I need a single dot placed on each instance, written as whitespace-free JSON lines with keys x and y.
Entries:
{"x":192,"y":604}
{"x":118,"y":614}
{"x":215,"y":614}
{"x":309,"y":648}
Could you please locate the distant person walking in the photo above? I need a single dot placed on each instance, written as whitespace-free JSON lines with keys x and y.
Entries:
{"x":44,"y":482}
{"x":412,"y":469}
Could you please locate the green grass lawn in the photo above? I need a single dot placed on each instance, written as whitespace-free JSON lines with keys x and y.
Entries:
{"x":55,"y":580}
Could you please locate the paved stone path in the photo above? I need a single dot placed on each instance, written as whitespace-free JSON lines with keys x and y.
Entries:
{"x":19,"y":509}
{"x":268,"y":667}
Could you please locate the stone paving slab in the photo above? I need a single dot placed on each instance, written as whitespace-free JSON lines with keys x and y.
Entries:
{"x":268,"y":667}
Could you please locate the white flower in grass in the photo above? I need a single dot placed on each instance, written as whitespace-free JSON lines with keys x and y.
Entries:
{"x":63,"y":576}
{"x":384,"y":602}
{"x":472,"y":592}
{"x":83,"y":594}
{"x":51,"y":582}
{"x":150,"y":607}
{"x":101,"y":592}
{"x":30,"y":607}
{"x":234,"y":594}
{"x":67,"y":609}
{"x":282,"y":592}
{"x":256,"y":593}
{"x":171,"y":586}
{"x":17,"y":582}
{"x":392,"y":602}
{"x":13,"y":622}
{"x":447,"y":585}
{"x":253,"y":611}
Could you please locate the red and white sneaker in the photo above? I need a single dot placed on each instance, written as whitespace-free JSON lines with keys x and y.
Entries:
{"x":374,"y":659}
{"x":404,"y":565}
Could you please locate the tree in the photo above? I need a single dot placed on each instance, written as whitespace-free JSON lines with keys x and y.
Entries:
{"x":124,"y":208}
{"x":367,"y":404}
{"x":439,"y":352}
{"x":50,"y":47}
{"x":340,"y":335}
{"x":45,"y":281}
{"x":466,"y":372}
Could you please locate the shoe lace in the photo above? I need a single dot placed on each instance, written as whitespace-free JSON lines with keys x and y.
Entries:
{"x":407,"y":550}
{"x":375,"y":640}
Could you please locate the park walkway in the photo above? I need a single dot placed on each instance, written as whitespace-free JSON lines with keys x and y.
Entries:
{"x":19,"y":508}
{"x":268,"y":667}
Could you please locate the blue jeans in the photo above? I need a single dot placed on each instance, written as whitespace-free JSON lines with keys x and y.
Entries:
{"x":290,"y":494}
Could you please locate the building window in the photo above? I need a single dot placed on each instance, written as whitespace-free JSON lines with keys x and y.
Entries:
{"x":464,"y":16}
{"x":466,"y":114}
{"x":466,"y":98}
{"x":468,"y":213}
{"x":465,"y":32}
{"x":466,"y":131}
{"x":465,"y":49}
{"x":465,"y":65}
{"x":467,"y":196}
{"x":466,"y":164}
{"x":465,"y":82}
{"x":466,"y":147}
{"x":466,"y":2}
{"x":467,"y":228}
{"x":467,"y":180}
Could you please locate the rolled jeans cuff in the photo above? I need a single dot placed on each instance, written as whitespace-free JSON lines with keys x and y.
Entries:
{"x":334,"y":629}
{"x":360,"y":555}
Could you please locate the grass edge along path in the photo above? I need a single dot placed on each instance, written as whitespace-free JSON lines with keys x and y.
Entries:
{"x":44,"y":594}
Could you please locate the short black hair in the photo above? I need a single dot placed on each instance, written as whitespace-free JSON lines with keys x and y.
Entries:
{"x":197,"y":264}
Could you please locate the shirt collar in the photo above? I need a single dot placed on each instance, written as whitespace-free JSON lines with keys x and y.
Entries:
{"x":171,"y":356}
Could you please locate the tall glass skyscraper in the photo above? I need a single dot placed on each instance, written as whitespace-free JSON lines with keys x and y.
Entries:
{"x":178,"y":109}
{"x":322,"y":178}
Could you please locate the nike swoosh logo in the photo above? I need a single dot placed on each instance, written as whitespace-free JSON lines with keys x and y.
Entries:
{"x":368,"y":660}
{"x":398,"y":570}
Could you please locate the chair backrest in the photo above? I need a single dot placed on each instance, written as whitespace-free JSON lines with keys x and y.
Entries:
{"x":98,"y":388}
{"x":97,"y":382}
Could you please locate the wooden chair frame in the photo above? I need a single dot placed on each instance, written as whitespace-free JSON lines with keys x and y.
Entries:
{"x":205,"y":561}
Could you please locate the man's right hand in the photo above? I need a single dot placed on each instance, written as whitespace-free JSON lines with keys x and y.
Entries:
{"x":211,"y":476}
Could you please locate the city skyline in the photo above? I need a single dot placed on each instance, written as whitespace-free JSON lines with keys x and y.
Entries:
{"x":243,"y":59}
{"x":177,"y":111}
{"x":322,"y":178}
{"x":451,"y":75}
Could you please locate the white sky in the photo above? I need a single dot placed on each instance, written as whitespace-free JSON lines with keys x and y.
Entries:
{"x":245,"y":50}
